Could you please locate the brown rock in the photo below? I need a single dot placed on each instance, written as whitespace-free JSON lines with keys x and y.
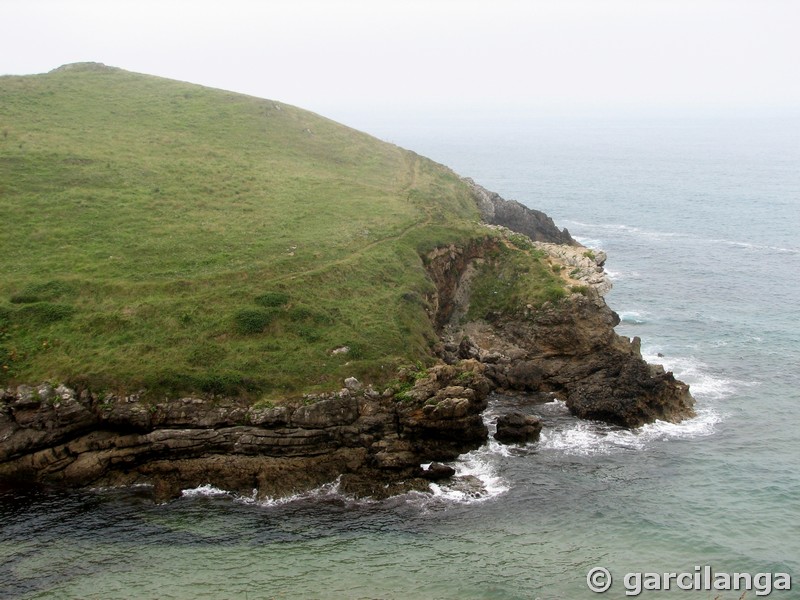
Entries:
{"x":437,"y":472}
{"x":517,"y":428}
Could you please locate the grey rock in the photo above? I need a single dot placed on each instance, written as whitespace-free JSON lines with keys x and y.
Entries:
{"x":325,"y":413}
{"x":352,"y":384}
{"x":517,"y":217}
{"x":468,"y":349}
{"x":524,"y":375}
{"x":26,"y":397}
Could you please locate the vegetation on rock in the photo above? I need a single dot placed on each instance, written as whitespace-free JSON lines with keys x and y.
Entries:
{"x":171,"y":237}
{"x":512,"y":281}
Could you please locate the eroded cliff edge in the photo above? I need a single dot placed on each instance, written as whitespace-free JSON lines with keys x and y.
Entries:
{"x":373,"y":439}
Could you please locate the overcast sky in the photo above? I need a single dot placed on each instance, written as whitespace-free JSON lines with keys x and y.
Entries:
{"x":336,"y":56}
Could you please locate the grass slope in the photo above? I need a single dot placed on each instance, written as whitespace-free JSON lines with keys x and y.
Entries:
{"x":165,"y":235}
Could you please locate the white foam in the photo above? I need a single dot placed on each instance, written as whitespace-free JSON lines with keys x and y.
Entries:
{"x":629,"y":229}
{"x":628,"y":275}
{"x":634,"y":317}
{"x":758,"y":247}
{"x":575,"y":437}
{"x":647,"y":233}
{"x":570,"y":435}
{"x":327,"y":491}
{"x":578,"y":223}
{"x":615,"y":228}
{"x":111,"y":488}
{"x":206,"y":490}
{"x":475,"y":480}
{"x":479,"y":465}
{"x":476,"y":466}
{"x":700,"y":426}
{"x":585,"y":438}
{"x":588,"y":242}
{"x":702,"y":382}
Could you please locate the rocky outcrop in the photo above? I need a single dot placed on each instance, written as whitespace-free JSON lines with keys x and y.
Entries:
{"x":437,"y":472}
{"x":579,"y":265}
{"x":517,"y":428}
{"x":58,"y":435}
{"x":448,"y":267}
{"x":517,"y":217}
{"x":570,"y":350}
{"x":442,"y":411}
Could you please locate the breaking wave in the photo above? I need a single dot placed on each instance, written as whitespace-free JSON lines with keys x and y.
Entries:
{"x":569,"y":435}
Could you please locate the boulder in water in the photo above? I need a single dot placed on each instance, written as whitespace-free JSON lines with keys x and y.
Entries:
{"x":517,"y":428}
{"x":438,"y":471}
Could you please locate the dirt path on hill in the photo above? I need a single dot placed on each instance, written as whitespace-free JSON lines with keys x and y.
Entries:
{"x":413,"y":175}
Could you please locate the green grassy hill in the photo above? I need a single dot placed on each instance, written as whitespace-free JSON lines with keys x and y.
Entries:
{"x":165,"y":235}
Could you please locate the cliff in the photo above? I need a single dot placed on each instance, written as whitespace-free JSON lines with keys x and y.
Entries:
{"x":517,"y":217}
{"x":564,"y":349}
{"x":374,"y":441}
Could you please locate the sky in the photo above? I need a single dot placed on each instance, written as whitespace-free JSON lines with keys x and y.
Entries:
{"x":384,"y":56}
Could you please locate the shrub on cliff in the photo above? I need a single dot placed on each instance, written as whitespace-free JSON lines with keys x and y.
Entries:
{"x":510,"y":282}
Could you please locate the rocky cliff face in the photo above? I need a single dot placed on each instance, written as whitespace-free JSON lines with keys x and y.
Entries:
{"x":568,"y":350}
{"x":374,"y":441}
{"x":517,"y":217}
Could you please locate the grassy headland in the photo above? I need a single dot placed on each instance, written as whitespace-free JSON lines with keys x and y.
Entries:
{"x":163,"y":235}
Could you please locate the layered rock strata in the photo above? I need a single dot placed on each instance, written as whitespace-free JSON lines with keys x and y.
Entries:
{"x":374,"y":441}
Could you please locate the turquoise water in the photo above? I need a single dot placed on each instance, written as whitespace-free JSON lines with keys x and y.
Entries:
{"x":700,"y":219}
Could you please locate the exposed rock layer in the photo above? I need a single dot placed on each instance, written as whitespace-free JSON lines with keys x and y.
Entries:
{"x":49,"y":434}
{"x":568,"y":350}
{"x":571,"y":352}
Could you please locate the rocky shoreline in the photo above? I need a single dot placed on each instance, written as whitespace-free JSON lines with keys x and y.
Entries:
{"x":373,"y":440}
{"x":570,"y":351}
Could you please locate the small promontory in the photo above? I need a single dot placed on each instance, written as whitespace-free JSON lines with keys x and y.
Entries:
{"x":205,"y":287}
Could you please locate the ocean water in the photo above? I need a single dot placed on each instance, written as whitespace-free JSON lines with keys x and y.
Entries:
{"x":701,"y":222}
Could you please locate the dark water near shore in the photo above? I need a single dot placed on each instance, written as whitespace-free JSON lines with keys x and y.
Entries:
{"x":700,"y":219}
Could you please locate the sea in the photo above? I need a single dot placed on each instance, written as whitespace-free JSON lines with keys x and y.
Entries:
{"x":700,"y":218}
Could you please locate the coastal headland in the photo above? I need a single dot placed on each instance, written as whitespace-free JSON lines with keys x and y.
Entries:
{"x":204,"y":287}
